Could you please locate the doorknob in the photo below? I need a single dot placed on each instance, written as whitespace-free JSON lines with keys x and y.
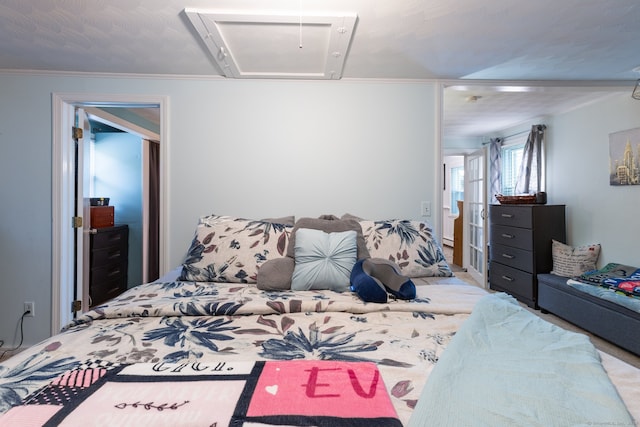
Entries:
{"x":482,"y":214}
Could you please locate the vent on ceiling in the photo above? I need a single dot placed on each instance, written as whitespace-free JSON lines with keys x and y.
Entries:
{"x":276,"y":45}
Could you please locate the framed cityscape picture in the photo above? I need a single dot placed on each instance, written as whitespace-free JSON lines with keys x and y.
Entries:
{"x":624,"y":157}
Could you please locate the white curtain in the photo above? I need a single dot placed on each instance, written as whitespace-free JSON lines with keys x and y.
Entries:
{"x":530,"y":176}
{"x":495,"y":166}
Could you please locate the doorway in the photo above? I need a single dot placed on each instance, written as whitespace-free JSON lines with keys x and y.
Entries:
{"x":464,"y":212}
{"x":452,"y":209}
{"x":131,"y":191}
{"x":67,"y":274}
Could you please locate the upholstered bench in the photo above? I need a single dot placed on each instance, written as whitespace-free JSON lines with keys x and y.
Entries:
{"x":606,"y":319}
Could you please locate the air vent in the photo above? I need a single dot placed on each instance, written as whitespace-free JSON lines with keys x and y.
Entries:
{"x":276,"y":45}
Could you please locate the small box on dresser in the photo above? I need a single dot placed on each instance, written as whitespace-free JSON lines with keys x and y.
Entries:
{"x":520,"y":247}
{"x":102,"y":216}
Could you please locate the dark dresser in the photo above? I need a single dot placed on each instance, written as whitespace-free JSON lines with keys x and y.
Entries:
{"x":108,"y":263}
{"x":520,"y":247}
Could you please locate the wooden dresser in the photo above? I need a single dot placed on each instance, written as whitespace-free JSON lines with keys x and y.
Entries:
{"x":109,"y":261}
{"x":520,"y":247}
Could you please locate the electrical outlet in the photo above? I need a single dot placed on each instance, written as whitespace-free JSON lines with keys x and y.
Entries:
{"x":425,"y":208}
{"x":30,"y":307}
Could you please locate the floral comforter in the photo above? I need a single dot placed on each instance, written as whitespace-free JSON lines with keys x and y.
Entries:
{"x":187,"y":322}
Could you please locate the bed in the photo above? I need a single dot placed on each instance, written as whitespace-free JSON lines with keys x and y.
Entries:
{"x":228,"y":349}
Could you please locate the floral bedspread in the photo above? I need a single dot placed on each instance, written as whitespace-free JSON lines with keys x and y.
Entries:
{"x":183,"y":322}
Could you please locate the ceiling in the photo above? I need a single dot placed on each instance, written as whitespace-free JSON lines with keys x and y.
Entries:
{"x":135,"y":115}
{"x":558,"y":54}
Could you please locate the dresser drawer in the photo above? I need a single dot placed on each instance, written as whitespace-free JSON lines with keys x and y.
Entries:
{"x":514,"y":216}
{"x":108,"y":256}
{"x":512,"y":236}
{"x":105,"y":291}
{"x":108,"y":273}
{"x":109,"y":237}
{"x":512,"y":280}
{"x":512,"y":257}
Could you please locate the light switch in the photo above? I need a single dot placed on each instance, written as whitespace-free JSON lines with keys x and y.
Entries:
{"x":425,"y":208}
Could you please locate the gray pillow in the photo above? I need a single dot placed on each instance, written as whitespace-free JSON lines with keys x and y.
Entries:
{"x":275,"y":274}
{"x":329,"y":226}
{"x":350,"y":216}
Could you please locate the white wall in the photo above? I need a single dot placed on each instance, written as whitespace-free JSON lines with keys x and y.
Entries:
{"x":577,"y":148}
{"x":276,"y":148}
{"x":237,"y":147}
{"x":578,"y":176}
{"x":272,"y":148}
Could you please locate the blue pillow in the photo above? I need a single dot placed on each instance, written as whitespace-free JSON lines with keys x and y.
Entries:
{"x":323,"y":260}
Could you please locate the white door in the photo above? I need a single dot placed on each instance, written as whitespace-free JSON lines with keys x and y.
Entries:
{"x":475,"y":208}
{"x":83,"y":191}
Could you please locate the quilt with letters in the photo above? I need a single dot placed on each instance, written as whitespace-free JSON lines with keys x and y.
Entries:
{"x":299,"y":392}
{"x":227,"y":354}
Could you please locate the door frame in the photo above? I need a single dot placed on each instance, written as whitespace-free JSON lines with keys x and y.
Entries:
{"x":62,"y":192}
{"x":463,"y":151}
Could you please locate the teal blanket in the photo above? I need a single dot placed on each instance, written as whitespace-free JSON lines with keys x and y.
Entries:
{"x":632,"y":303}
{"x":508,"y":367}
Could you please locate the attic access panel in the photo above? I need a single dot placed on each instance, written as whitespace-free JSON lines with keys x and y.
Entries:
{"x":276,"y":45}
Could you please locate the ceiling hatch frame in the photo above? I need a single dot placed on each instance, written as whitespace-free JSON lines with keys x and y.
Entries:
{"x":276,"y":45}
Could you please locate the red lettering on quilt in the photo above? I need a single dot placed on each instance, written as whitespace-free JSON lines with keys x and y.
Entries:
{"x":355,"y":383}
{"x":320,"y":389}
{"x":312,"y":385}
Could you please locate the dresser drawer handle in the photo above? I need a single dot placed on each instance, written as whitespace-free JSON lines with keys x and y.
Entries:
{"x":507,"y":278}
{"x":507,"y":236}
{"x":505,"y":215}
{"x":508,"y":256}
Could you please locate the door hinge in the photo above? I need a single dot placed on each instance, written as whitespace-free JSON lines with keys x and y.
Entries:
{"x":76,"y":221}
{"x":76,"y":306}
{"x":77,"y":133}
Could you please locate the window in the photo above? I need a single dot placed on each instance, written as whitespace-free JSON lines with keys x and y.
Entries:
{"x":457,"y":188}
{"x":511,"y":161}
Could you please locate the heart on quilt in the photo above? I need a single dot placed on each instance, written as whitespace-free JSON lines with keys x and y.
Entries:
{"x":272,"y":389}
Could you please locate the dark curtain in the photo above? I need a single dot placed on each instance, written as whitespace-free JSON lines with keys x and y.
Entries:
{"x":530,"y":176}
{"x":495,"y":166}
{"x":154,"y":211}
